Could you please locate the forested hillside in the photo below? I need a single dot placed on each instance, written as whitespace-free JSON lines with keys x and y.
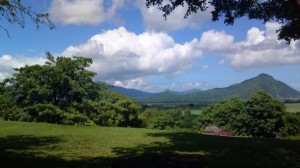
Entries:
{"x":273,"y":87}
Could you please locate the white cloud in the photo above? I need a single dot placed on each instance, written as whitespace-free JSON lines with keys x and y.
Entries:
{"x":255,"y":36}
{"x":183,"y":86}
{"x":147,"y":85}
{"x":296,"y":85}
{"x":79,"y":12}
{"x":216,"y":41}
{"x":205,"y":66}
{"x":126,"y":58}
{"x":8,"y":63}
{"x":271,"y":28}
{"x":154,"y":20}
{"x":260,"y":49}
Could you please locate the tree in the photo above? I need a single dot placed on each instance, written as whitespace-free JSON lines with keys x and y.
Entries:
{"x":59,"y":82}
{"x":286,"y":13}
{"x":266,"y":115}
{"x":167,"y":119}
{"x":260,"y":116}
{"x":229,"y":115}
{"x":63,"y":91}
{"x":117,"y":110}
{"x":14,"y":12}
{"x":50,"y":92}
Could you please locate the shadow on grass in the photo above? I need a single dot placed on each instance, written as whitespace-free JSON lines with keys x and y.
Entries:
{"x":195,"y":150}
{"x":32,"y":152}
{"x":183,"y":150}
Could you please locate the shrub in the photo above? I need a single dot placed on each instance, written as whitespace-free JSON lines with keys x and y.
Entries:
{"x":72,"y":119}
{"x":46,"y":113}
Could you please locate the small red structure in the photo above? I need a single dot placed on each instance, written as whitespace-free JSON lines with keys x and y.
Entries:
{"x":224,"y":133}
{"x":214,"y":130}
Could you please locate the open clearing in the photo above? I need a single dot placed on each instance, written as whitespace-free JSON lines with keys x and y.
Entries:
{"x":293,"y":107}
{"x":46,"y":145}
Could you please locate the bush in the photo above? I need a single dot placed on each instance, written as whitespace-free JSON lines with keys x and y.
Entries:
{"x":167,"y":119}
{"x":46,"y":113}
{"x":16,"y":114}
{"x":72,"y":119}
{"x":291,"y":125}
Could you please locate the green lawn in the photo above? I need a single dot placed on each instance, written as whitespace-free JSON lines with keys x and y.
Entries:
{"x":55,"y":146}
{"x":196,"y":111}
{"x":293,"y":107}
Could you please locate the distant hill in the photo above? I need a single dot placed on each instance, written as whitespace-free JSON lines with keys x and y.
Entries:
{"x":275,"y":88}
{"x":132,"y":93}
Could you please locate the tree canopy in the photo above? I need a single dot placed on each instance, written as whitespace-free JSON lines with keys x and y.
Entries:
{"x":14,"y":12}
{"x":63,"y":91}
{"x":260,"y":116}
{"x":286,"y":13}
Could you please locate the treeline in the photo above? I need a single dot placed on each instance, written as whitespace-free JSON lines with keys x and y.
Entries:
{"x":62,"y":91}
{"x":259,"y":116}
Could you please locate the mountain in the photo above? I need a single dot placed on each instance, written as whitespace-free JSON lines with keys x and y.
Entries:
{"x":185,"y":92}
{"x":275,"y":88}
{"x":165,"y":96}
{"x":132,"y":93}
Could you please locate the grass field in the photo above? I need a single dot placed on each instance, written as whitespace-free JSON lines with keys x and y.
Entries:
{"x":196,"y":111}
{"x":55,"y":146}
{"x":293,"y":107}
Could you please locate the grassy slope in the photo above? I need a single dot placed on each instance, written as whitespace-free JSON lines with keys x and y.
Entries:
{"x":46,"y":145}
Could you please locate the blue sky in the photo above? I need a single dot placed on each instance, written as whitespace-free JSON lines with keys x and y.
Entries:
{"x":135,"y":47}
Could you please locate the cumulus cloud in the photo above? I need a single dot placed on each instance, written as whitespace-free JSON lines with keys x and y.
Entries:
{"x":8,"y":63}
{"x":154,"y":20}
{"x":126,"y":58}
{"x":260,"y":49}
{"x":147,"y":84}
{"x":183,"y":86}
{"x":216,"y":41}
{"x":79,"y":12}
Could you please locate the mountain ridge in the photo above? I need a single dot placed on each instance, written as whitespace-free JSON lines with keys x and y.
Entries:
{"x":244,"y":89}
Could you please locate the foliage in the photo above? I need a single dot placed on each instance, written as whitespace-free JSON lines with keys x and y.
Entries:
{"x":286,"y":13}
{"x":167,"y":119}
{"x":260,"y":116}
{"x":266,"y":115}
{"x":62,"y":91}
{"x":45,"y":113}
{"x":291,"y":125}
{"x":118,"y":110}
{"x":229,"y":115}
{"x":58,"y":82}
{"x":14,"y":12}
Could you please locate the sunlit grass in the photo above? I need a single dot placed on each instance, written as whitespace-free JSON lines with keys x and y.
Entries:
{"x":47,"y":145}
{"x":293,"y":107}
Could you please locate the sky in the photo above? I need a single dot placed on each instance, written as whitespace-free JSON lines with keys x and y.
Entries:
{"x":135,"y":47}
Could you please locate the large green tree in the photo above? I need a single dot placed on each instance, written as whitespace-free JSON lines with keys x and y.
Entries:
{"x":15,"y":12}
{"x":63,"y":91}
{"x":286,"y":13}
{"x":260,"y":116}
{"x":266,"y":115}
{"x":60,"y":82}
